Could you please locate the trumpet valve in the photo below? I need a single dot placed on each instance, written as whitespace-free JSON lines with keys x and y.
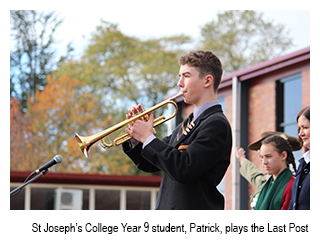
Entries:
{"x":123,"y":137}
{"x":138,"y":110}
{"x":106,"y":145}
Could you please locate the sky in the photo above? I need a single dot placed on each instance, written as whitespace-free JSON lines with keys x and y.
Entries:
{"x":166,"y":18}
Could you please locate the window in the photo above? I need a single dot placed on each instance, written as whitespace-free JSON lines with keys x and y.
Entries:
{"x":42,"y":198}
{"x":17,"y":201}
{"x":222,"y":103}
{"x":107,"y":199}
{"x":221,"y":187}
{"x":289,"y":104}
{"x":138,"y":200}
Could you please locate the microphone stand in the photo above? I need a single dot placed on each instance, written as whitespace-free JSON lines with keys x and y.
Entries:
{"x":18,"y":189}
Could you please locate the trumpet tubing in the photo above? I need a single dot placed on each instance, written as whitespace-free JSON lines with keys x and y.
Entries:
{"x":86,"y":142}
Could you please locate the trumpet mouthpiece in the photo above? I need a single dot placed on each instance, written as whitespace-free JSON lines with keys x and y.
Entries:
{"x":180,"y":94}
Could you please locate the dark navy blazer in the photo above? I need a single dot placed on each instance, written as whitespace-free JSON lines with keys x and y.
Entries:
{"x":300,"y":199}
{"x":193,"y":166}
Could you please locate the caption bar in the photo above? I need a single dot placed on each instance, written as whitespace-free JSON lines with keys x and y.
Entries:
{"x":168,"y":228}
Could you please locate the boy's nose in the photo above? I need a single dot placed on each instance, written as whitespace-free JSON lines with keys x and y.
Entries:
{"x":180,"y":81}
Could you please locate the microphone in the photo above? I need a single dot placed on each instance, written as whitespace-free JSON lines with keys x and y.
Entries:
{"x":55,"y":160}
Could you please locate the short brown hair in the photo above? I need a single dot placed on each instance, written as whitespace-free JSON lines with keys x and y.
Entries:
{"x":207,"y":63}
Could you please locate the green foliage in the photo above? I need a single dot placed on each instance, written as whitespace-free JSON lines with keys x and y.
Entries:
{"x":124,"y":70}
{"x":126,"y":67}
{"x":121,"y":71}
{"x":243,"y":38}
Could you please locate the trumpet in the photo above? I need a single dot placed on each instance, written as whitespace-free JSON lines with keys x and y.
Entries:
{"x":86,"y":142}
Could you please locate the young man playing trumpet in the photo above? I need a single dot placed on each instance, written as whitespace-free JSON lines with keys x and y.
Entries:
{"x":195,"y":157}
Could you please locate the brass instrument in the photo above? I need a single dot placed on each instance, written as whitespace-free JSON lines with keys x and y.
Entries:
{"x":86,"y":142}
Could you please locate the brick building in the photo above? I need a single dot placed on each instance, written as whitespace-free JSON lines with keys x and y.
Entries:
{"x":263,"y":97}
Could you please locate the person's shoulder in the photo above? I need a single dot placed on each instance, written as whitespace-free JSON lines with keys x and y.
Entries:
{"x":289,"y":184}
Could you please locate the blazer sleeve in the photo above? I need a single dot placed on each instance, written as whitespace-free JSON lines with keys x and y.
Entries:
{"x":208,"y":146}
{"x":135,"y":155}
{"x":286,"y":197}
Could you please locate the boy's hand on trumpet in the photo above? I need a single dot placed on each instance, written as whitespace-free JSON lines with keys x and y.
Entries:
{"x":139,"y":129}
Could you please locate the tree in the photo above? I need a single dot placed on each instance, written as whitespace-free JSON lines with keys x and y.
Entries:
{"x":56,"y":113}
{"x":32,"y":54}
{"x":243,"y":38}
{"x":120,"y":65}
{"x":123,"y":70}
{"x":20,"y":133}
{"x":48,"y":127}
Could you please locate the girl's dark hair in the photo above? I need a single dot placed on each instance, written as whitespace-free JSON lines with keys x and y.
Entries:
{"x":281,"y":145}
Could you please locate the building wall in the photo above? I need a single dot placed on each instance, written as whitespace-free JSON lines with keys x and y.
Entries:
{"x":262,"y":112}
{"x":262,"y":116}
{"x":306,"y":87}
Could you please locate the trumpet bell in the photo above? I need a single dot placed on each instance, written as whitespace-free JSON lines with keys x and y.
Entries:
{"x":82,"y":144}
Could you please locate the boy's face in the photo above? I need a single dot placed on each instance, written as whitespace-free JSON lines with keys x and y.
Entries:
{"x":191,"y":84}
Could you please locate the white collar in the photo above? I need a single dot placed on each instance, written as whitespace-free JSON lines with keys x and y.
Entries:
{"x":306,"y":157}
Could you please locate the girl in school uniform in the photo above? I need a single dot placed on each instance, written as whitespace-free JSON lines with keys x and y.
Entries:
{"x":276,"y":155}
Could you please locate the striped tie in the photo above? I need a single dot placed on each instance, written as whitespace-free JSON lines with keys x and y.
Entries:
{"x":186,"y":126}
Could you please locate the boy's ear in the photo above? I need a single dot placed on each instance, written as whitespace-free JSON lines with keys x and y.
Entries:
{"x":208,"y":81}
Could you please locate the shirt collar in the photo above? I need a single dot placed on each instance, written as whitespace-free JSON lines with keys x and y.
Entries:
{"x":197,"y":111}
{"x":306,"y":157}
